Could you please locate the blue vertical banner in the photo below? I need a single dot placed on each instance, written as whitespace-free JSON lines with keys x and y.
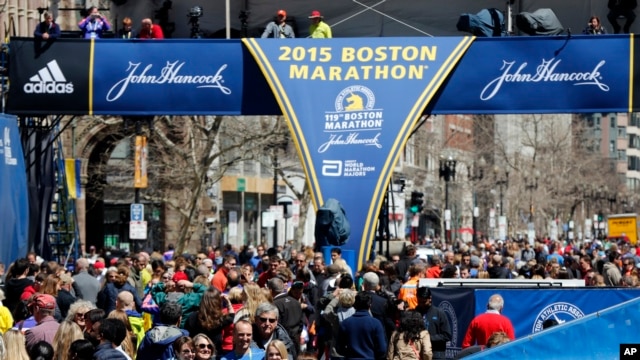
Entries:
{"x":14,"y":212}
{"x":459,"y":305}
{"x":351,"y":107}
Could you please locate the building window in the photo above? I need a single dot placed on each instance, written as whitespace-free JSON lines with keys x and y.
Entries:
{"x":622,"y":155}
{"x":622,"y":132}
{"x":613,"y":122}
{"x":612,"y":146}
{"x":596,"y":121}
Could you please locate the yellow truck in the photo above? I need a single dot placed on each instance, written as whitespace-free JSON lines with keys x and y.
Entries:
{"x":623,"y":227}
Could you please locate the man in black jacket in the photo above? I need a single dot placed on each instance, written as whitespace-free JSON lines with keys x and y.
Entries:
{"x":47,"y":29}
{"x":266,"y":328}
{"x":290,"y":314}
{"x":436,"y":322}
{"x":381,"y":303}
{"x":622,"y":9}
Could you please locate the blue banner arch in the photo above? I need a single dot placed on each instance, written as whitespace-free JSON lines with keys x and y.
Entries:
{"x":351,"y":110}
{"x":393,"y":79}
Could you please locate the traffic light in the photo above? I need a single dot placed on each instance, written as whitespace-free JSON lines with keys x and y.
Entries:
{"x":416,"y":202}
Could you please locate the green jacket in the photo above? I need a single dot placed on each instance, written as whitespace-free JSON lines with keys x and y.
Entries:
{"x":190,"y":302}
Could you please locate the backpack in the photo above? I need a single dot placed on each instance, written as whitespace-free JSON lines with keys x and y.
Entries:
{"x":332,"y":227}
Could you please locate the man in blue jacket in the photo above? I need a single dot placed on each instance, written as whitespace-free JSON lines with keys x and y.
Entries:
{"x":157,"y":344}
{"x":362,"y":336}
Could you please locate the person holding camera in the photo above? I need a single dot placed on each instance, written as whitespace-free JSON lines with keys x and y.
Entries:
{"x":94,"y":24}
{"x":279,"y":29}
{"x":150,"y":30}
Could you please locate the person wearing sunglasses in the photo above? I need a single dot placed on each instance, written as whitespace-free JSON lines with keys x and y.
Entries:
{"x":184,"y":348}
{"x":204,"y":347}
{"x":268,"y":329}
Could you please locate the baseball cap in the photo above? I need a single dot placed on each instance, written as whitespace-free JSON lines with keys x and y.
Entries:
{"x":44,"y":301}
{"x":315,"y":14}
{"x":282,"y":13}
{"x":180,"y":275}
{"x":98,"y":265}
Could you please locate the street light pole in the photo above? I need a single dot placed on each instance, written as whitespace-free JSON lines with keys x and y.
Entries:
{"x":476,"y":174}
{"x":501,"y":182}
{"x":448,"y":173}
{"x":275,"y":194}
{"x":532,"y":185}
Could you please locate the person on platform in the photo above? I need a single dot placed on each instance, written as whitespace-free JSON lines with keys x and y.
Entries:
{"x":150,"y":30}
{"x":622,"y":9}
{"x":484,"y":325}
{"x":319,"y":29}
{"x":47,"y":29}
{"x":127,"y":32}
{"x":94,"y":25}
{"x":279,"y":29}
{"x":594,"y":27}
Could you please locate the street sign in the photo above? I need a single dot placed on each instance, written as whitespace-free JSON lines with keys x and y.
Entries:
{"x":241,"y":184}
{"x":233,"y":223}
{"x":137,"y":212}
{"x":278,"y":210}
{"x":295,"y":216}
{"x":138,"y":230}
{"x":268,"y":219}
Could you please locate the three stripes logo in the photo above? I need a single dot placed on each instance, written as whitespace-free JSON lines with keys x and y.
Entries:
{"x":49,"y":80}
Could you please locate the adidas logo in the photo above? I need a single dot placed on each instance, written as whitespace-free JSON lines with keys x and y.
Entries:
{"x":49,"y":80}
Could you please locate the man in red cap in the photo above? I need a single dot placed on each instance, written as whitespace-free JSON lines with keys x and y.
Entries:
{"x":42,"y":306}
{"x":319,"y":29}
{"x":279,"y":29}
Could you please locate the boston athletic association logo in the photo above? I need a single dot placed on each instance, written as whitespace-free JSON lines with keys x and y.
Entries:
{"x":355,"y":98}
{"x":559,"y":311}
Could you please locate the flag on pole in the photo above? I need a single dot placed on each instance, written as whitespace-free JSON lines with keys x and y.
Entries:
{"x":72,"y":175}
{"x":140,"y":163}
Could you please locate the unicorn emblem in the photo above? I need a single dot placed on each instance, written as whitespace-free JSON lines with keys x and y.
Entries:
{"x":355,"y":103}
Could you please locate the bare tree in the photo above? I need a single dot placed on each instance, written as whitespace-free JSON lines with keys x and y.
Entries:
{"x":187,"y":154}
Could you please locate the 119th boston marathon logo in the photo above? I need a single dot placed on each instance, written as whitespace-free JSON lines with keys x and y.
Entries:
{"x":559,"y":311}
{"x":355,"y":122}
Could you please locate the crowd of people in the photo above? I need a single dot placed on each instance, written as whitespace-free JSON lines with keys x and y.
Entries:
{"x":284,"y":303}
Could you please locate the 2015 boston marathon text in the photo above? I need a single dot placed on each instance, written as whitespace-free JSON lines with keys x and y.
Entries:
{"x":364,"y":63}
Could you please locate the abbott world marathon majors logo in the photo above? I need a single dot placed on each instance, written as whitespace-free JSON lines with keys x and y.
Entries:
{"x":354,"y":122}
{"x":559,"y":311}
